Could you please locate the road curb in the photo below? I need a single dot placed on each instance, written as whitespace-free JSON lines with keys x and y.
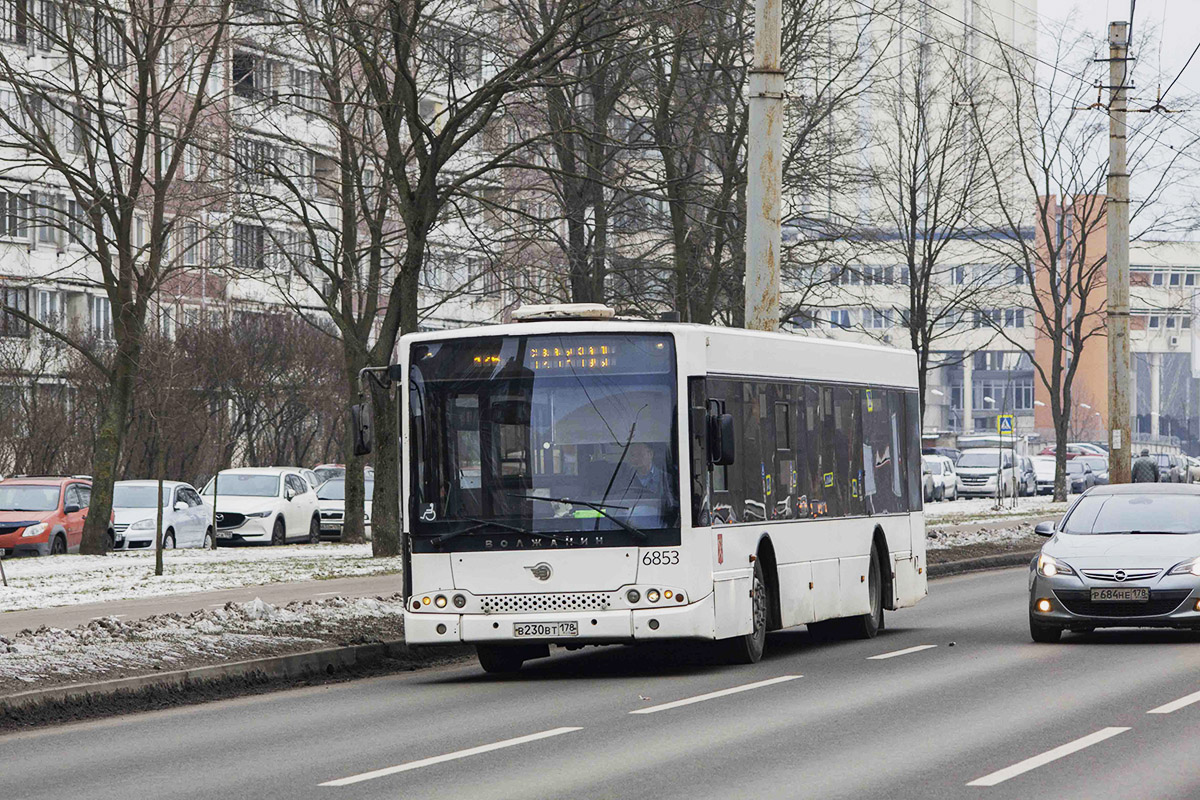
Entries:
{"x":179,"y":684}
{"x":998,"y":561}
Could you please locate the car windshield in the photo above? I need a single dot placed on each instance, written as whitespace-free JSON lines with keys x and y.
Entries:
{"x":1075,"y":466}
{"x":1095,"y":462}
{"x":1135,"y":513}
{"x":1043,"y":466}
{"x":970,"y":459}
{"x":235,"y":484}
{"x":336,"y":489}
{"x":126,"y":496}
{"x":1164,"y":460}
{"x":329,"y":473}
{"x":585,"y":421}
{"x":28,"y":498}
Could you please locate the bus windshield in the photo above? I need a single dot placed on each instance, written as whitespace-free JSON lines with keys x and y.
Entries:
{"x":548,"y":434}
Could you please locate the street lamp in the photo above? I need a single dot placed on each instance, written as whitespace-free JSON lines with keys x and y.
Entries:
{"x":1039,"y":404}
{"x":987,"y":399}
{"x":1085,"y":405}
{"x":937,"y":392}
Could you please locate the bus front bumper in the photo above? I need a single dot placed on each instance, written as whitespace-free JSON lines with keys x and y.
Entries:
{"x":692,"y":621}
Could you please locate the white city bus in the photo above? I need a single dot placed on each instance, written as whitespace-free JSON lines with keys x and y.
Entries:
{"x":580,"y":480}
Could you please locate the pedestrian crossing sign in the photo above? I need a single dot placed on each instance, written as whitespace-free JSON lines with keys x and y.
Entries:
{"x":1004,"y":424}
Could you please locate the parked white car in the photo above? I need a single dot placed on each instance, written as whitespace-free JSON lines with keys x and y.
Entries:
{"x":187,"y":520}
{"x":980,"y":468}
{"x":332,"y":496}
{"x":945,"y":481}
{"x":265,"y":505}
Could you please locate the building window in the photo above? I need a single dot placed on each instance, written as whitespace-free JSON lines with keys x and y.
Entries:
{"x":1154,"y":322}
{"x":881,"y":318}
{"x":255,"y":161}
{"x":1176,"y":278}
{"x":958,"y":275}
{"x":249,"y":246}
{"x":1157,"y":279}
{"x":49,"y":307}
{"x":14,"y":215}
{"x":189,"y":245}
{"x":1014,"y":318}
{"x":191,"y":162}
{"x":252,"y":77}
{"x":840,"y":318}
{"x":100,"y":317}
{"x":78,"y":224}
{"x":1170,"y":322}
{"x":13,"y":300}
{"x":14,"y":21}
{"x":1018,"y":276}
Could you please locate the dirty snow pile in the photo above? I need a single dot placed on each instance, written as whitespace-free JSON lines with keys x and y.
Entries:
{"x":940,"y":539}
{"x":70,"y":579}
{"x":110,"y":647}
{"x":983,"y":510}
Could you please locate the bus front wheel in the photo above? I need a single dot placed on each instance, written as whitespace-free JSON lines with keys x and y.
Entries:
{"x":748,"y":649}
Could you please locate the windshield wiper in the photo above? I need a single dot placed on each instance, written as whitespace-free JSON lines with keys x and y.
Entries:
{"x":483,"y":523}
{"x":598,"y":507}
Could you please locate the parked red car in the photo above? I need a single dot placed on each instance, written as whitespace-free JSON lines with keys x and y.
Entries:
{"x":43,"y":516}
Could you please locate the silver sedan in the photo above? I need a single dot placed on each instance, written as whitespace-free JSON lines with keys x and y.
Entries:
{"x":1122,"y":556}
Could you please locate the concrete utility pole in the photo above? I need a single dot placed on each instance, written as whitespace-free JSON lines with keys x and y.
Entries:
{"x":764,"y":238}
{"x":1117,"y":211}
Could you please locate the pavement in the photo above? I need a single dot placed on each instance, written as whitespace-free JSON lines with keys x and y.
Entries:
{"x":141,"y":607}
{"x":906,"y":715}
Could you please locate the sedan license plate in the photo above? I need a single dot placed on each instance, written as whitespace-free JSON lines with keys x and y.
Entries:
{"x":1124,"y":594}
{"x":224,"y":535}
{"x":545,"y":629}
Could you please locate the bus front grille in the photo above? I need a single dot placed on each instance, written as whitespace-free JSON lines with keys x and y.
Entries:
{"x":516,"y":603}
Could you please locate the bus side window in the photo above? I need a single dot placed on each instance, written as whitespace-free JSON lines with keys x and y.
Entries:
{"x":727,"y":484}
{"x":698,"y":455}
{"x":783,"y":498}
{"x":912,"y":450}
{"x":814,"y":432}
{"x":847,"y":449}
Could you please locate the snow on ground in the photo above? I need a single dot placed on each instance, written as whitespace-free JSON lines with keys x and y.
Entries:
{"x":108,"y":647}
{"x":942,"y":539}
{"x":983,"y":509}
{"x":71,"y":579}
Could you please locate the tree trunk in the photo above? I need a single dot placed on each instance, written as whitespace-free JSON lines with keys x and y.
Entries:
{"x":109,"y":439}
{"x":385,"y":515}
{"x":158,"y":527}
{"x":354,"y":506}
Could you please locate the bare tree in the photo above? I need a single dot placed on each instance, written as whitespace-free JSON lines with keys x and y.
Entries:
{"x":97,"y":123}
{"x":1048,"y":182}
{"x":432,"y":100}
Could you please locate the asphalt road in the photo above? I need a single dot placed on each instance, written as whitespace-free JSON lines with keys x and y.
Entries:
{"x":813,"y":720}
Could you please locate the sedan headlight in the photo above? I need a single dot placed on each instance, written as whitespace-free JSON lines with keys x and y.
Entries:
{"x":266,"y":513}
{"x":34,"y":530}
{"x":1049,"y":566}
{"x":142,"y":525}
{"x":1189,"y":567}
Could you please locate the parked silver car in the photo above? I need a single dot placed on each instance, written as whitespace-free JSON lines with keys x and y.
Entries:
{"x":1126,"y":555}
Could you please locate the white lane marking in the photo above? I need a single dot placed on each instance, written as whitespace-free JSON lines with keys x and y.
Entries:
{"x":111,"y":616}
{"x":325,"y":594}
{"x":1175,"y":705}
{"x":903,"y":652}
{"x":426,"y":762}
{"x":713,"y":695}
{"x":1061,"y":751}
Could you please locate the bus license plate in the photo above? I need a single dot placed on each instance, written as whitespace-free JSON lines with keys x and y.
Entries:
{"x":545,"y":629}
{"x":1125,"y":594}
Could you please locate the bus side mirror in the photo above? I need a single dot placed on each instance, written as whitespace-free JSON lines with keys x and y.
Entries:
{"x":360,"y":420}
{"x":721,"y":447}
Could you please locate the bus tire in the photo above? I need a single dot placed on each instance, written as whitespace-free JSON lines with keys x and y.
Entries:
{"x":748,"y":649}
{"x":867,"y":626}
{"x":499,"y":659}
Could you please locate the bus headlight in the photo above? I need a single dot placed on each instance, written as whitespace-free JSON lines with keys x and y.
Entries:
{"x":459,"y":601}
{"x":633,"y":595}
{"x":440,"y":601}
{"x":652,"y":595}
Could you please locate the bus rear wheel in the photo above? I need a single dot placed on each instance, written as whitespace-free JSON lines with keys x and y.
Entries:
{"x":748,"y":649}
{"x":867,"y":626}
{"x":499,"y":659}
